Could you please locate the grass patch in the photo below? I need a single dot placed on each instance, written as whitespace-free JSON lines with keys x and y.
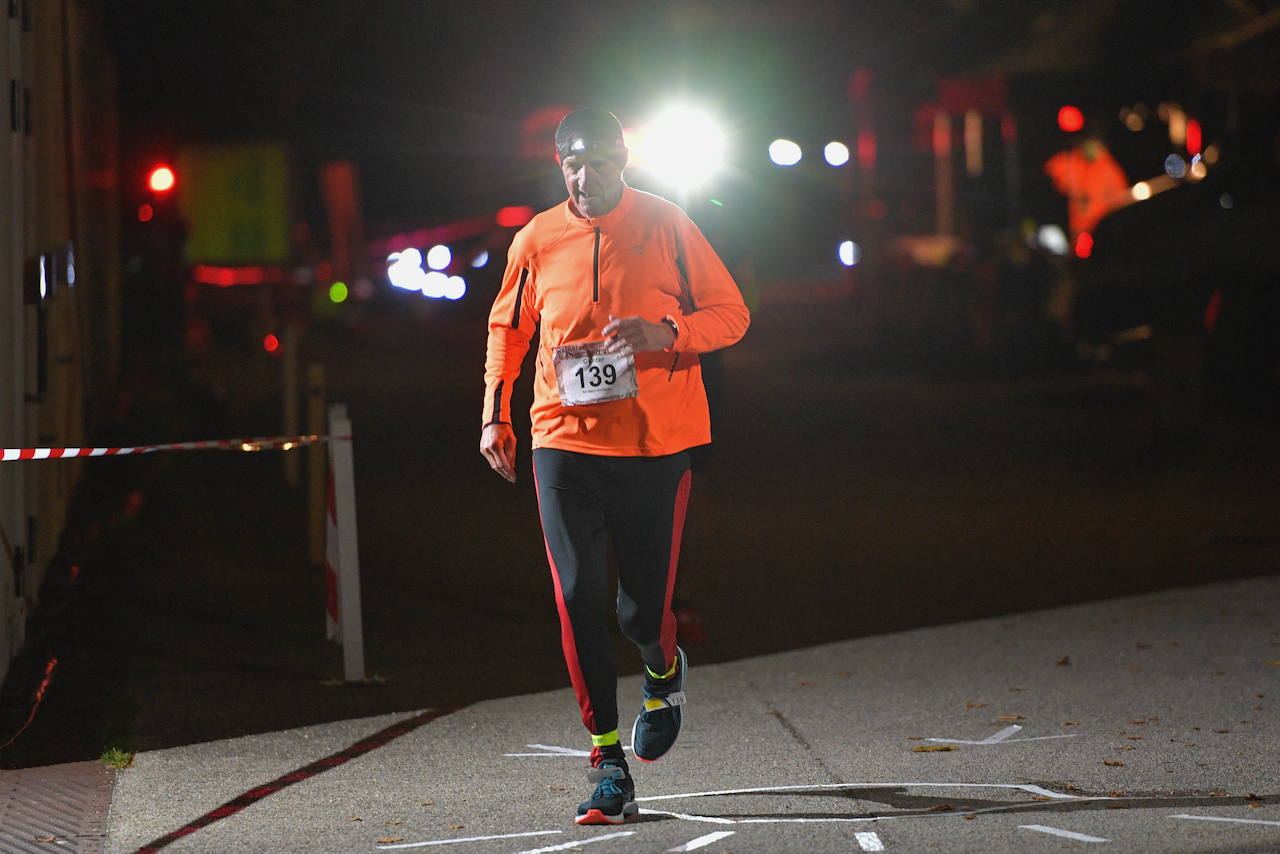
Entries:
{"x":116,"y":758}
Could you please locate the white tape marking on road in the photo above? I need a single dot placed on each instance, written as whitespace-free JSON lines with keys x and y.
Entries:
{"x":1065,"y":834}
{"x":703,"y":841}
{"x":1220,"y":818}
{"x":1026,"y":787}
{"x":710,"y":819}
{"x":1001,"y":737}
{"x":566,"y":846}
{"x":470,"y":839}
{"x":869,"y":841}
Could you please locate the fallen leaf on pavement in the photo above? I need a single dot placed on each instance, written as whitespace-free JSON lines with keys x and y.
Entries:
{"x":933,"y":748}
{"x":1041,"y":798}
{"x":389,"y":823}
{"x":46,"y":839}
{"x":392,"y":839}
{"x":941,"y":808}
{"x":427,"y":803}
{"x":1254,"y":806}
{"x":972,"y":817}
{"x":1273,"y":663}
{"x":1009,"y":717}
{"x":556,"y":788}
{"x":1071,"y":788}
{"x":974,"y":705}
{"x":1135,"y":738}
{"x":1116,"y":794}
{"x":805,"y":684}
{"x":1115,"y":763}
{"x":1117,"y":806}
{"x":1127,"y":747}
{"x":1137,"y":722}
{"x":1065,"y":661}
{"x":843,"y":673}
{"x":1253,"y":796}
{"x":1069,"y":723}
{"x":915,"y":738}
{"x":456,"y":826}
{"x":1141,"y":645}
{"x":355,"y":819}
{"x":1133,"y":669}
{"x":1217,"y":794}
{"x":1222,"y":730}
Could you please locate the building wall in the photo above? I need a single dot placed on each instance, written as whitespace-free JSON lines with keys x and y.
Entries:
{"x":59,"y":198}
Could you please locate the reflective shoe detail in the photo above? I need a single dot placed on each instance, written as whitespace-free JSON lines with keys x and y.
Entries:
{"x":658,"y":725}
{"x":614,"y":799}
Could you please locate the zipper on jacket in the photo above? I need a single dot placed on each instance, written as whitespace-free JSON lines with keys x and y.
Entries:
{"x":595,"y":269}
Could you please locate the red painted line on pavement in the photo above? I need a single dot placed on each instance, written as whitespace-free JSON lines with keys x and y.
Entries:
{"x":306,"y":772}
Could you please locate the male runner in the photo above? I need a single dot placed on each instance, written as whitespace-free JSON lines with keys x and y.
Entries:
{"x":627,"y":293}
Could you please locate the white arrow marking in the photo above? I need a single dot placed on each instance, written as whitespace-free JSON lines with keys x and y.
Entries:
{"x":1001,"y":737}
{"x":1236,"y":820}
{"x":1066,"y":834}
{"x":703,"y":841}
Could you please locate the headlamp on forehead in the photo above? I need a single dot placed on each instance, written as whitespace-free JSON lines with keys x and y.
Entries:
{"x":578,"y":145}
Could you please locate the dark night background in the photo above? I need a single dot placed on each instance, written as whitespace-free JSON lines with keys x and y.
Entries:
{"x":896,"y":445}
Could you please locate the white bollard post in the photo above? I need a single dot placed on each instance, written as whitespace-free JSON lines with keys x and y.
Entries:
{"x":342,"y":468}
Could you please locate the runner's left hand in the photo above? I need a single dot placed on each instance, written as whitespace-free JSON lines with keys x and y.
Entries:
{"x":637,"y":334}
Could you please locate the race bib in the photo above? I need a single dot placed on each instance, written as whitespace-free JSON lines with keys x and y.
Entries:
{"x":585,"y":373}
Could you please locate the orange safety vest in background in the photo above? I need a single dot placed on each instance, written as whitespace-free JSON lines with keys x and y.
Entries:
{"x":645,"y":258}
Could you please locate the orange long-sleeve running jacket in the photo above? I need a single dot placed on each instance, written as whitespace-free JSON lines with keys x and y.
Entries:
{"x":569,"y":274}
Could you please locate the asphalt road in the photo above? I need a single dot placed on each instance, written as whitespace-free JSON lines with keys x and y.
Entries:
{"x":1135,"y":725}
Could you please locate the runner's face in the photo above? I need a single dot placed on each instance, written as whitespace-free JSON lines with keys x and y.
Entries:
{"x":594,"y":183}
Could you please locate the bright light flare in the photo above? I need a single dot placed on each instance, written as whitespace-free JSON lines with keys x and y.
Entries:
{"x":1070,"y":119}
{"x":405,"y":270}
{"x":439,"y":257}
{"x":455,"y":288}
{"x":434,"y":284}
{"x":1053,"y":238}
{"x":836,"y":153}
{"x":682,"y":147}
{"x":784,"y":152}
{"x":1141,"y":191}
{"x":161,"y":179}
{"x":338,"y":292}
{"x":481,"y":259}
{"x":850,"y":253}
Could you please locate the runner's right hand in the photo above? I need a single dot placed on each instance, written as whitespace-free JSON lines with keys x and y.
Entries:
{"x":498,"y":445}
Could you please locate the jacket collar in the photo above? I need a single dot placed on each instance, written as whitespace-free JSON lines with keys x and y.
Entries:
{"x":612,"y":218}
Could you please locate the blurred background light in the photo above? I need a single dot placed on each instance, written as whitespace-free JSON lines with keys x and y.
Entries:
{"x":850,"y":253}
{"x":1053,"y":238}
{"x":338,"y":292}
{"x":1175,"y":166}
{"x":455,"y":288}
{"x":1177,"y":125}
{"x":1226,"y":201}
{"x":837,"y":153}
{"x":271,"y":343}
{"x":1197,"y":170}
{"x":161,"y":179}
{"x":1070,"y":119}
{"x":438,"y":257}
{"x":1141,"y":191}
{"x":405,"y":270}
{"x":514,"y":216}
{"x":682,"y":147}
{"x":145,"y":213}
{"x":481,"y":259}
{"x":1084,"y":244}
{"x":434,"y":284}
{"x":1193,"y":136}
{"x":1211,"y":154}
{"x":784,"y":152}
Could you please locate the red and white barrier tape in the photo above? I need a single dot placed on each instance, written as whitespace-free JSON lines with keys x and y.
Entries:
{"x":262,"y":443}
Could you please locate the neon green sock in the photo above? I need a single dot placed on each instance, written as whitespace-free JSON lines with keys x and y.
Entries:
{"x":605,"y":739}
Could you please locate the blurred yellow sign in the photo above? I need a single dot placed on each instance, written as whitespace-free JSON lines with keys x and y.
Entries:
{"x":235,"y":199}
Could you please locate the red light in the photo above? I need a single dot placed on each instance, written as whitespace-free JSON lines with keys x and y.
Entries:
{"x":1070,"y":119}
{"x":514,"y":217}
{"x":145,"y":213}
{"x":161,"y":180}
{"x":1008,"y":127}
{"x":866,"y":149}
{"x":271,"y":343}
{"x":1193,"y":136}
{"x":1212,"y":310}
{"x":878,"y":208}
{"x":1084,"y":244}
{"x":324,"y":272}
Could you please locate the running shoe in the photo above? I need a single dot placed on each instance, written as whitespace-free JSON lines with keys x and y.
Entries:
{"x":658,"y":726}
{"x":614,"y":800}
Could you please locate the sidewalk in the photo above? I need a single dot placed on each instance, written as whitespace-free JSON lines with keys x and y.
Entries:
{"x":1144,"y":723}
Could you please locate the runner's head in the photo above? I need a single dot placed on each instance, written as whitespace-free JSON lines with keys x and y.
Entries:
{"x":592,"y":155}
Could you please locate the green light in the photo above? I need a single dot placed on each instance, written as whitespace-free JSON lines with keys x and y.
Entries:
{"x":337,"y":292}
{"x":717,"y":202}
